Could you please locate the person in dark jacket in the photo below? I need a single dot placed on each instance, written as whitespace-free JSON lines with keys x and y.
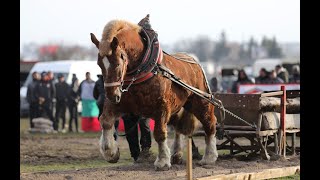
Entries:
{"x":51,"y":80}
{"x":273,"y":79}
{"x":282,"y":73}
{"x":73,"y":100}
{"x":62,"y":89}
{"x":99,"y":95}
{"x":242,"y":79}
{"x":44,"y":92}
{"x":131,"y":122}
{"x":31,"y":98}
{"x":263,"y":77}
{"x":215,"y":85}
{"x":295,"y":77}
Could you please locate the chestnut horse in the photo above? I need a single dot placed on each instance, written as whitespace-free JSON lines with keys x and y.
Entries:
{"x":122,"y":50}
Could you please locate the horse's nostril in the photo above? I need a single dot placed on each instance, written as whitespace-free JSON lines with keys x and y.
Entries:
{"x":117,"y":99}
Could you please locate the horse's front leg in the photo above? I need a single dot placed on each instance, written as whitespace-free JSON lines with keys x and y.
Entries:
{"x":108,"y":146}
{"x":160,"y":135}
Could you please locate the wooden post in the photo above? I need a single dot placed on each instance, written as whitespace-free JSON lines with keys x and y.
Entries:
{"x":189,"y":158}
{"x":282,"y":118}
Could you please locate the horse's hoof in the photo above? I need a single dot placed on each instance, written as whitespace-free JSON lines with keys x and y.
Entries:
{"x":176,"y":158}
{"x":205,"y":161}
{"x":162,"y":164}
{"x":164,"y":168}
{"x":110,"y":156}
{"x":115,"y":158}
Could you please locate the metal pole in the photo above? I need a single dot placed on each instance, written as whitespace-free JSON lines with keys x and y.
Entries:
{"x":189,"y":158}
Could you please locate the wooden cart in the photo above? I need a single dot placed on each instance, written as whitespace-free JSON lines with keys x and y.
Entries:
{"x":274,"y":120}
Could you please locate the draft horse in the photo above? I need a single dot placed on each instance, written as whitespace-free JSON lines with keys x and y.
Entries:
{"x":132,"y":64}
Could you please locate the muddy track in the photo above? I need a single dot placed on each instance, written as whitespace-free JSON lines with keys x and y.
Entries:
{"x":40,"y":151}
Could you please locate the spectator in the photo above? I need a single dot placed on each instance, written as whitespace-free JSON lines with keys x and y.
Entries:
{"x":73,"y":100}
{"x":44,"y":92}
{"x":282,"y":73}
{"x":242,"y":79}
{"x":50,"y":76}
{"x":263,"y":77}
{"x":32,"y":99}
{"x":74,"y":78}
{"x":99,"y":95}
{"x":131,"y":122}
{"x":215,"y":85}
{"x":89,"y":107}
{"x":273,"y":79}
{"x":62,"y":89}
{"x":50,"y":79}
{"x":295,"y":77}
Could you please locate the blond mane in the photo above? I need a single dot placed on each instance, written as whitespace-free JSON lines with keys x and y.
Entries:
{"x":110,"y":31}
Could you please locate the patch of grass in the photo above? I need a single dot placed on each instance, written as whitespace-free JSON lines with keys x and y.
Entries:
{"x":296,"y":176}
{"x":74,"y":165}
{"x":24,"y":125}
{"x":125,"y":159}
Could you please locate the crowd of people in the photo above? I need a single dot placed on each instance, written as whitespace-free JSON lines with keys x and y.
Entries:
{"x":279,"y":75}
{"x":42,"y":90}
{"x":41,"y":93}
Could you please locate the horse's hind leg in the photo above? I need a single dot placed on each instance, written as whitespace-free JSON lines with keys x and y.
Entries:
{"x":204,"y":112}
{"x":160,"y":135}
{"x":177,"y":146}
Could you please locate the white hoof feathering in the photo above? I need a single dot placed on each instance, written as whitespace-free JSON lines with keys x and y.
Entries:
{"x":176,"y":149}
{"x":163,"y":160}
{"x":211,"y":153}
{"x":108,"y":146}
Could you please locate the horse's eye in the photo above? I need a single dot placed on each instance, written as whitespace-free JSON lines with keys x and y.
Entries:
{"x":121,"y":56}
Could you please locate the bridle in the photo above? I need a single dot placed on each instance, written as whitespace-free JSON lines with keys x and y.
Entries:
{"x":121,"y":79}
{"x":149,"y":64}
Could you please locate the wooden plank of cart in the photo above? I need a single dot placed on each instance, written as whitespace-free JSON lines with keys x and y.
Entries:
{"x":275,"y":114}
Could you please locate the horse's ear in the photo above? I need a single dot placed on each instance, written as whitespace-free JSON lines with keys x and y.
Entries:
{"x":115,"y":42}
{"x":94,"y":40}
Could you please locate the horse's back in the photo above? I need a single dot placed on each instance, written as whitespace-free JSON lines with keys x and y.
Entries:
{"x":185,"y":67}
{"x":182,"y":56}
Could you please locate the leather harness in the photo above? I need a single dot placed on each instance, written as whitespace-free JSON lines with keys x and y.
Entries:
{"x":153,"y":56}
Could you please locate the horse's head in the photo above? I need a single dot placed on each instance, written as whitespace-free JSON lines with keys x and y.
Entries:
{"x":119,"y":50}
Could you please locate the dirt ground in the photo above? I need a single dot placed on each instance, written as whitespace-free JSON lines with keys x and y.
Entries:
{"x":57,"y":149}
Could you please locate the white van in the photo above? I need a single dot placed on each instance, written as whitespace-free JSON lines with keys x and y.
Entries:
{"x":65,"y":67}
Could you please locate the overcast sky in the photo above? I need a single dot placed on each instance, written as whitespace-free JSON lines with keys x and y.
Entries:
{"x":71,"y":21}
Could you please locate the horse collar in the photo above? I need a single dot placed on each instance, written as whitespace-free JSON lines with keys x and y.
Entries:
{"x":153,"y":55}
